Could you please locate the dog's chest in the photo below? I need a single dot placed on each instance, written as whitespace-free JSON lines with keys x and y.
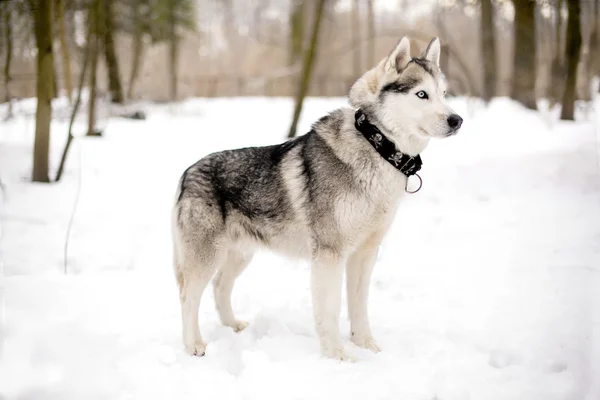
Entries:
{"x":370,"y":209}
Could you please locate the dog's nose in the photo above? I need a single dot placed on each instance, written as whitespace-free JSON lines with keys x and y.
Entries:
{"x":455,"y":121}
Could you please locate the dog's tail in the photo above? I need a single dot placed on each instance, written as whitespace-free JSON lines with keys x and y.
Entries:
{"x":176,"y":224}
{"x":176,"y":237}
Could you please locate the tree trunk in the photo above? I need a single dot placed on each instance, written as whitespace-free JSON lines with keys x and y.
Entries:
{"x":355,"y":32}
{"x":597,"y":47}
{"x":557,"y":70}
{"x":55,"y":81}
{"x":173,"y":53}
{"x":63,"y":158}
{"x":594,"y":45}
{"x":488,"y":49}
{"x":64,"y":47}
{"x":559,"y":28}
{"x":8,"y":39}
{"x":524,"y":73}
{"x":572,"y":53}
{"x":138,"y":49}
{"x":45,"y":83}
{"x":586,"y":62}
{"x":307,"y":67}
{"x":371,"y":33}
{"x":112,"y":64}
{"x":296,"y":31}
{"x":595,"y":31}
{"x":234,"y":57}
{"x":597,"y":43}
{"x":94,"y":21}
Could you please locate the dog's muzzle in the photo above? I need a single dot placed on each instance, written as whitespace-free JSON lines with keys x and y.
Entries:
{"x":454,"y":122}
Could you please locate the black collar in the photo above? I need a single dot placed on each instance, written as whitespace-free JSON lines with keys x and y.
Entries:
{"x":404,"y":163}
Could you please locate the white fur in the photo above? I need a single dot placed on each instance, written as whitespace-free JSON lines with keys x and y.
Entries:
{"x":406,"y":119}
{"x":361,"y":217}
{"x":432,"y":52}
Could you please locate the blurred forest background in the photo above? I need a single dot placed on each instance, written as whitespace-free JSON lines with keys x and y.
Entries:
{"x":123,"y":51}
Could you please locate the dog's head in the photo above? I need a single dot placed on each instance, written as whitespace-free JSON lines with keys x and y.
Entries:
{"x":406,"y":93}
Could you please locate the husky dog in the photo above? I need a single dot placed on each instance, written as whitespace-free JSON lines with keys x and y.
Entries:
{"x":328,"y":196}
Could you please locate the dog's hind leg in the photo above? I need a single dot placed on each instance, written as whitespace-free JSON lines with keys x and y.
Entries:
{"x":358,"y":276}
{"x":223,"y":282}
{"x":194,"y":272}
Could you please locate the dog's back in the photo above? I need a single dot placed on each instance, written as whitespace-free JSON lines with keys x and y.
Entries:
{"x":240,"y":182}
{"x":264,"y":194}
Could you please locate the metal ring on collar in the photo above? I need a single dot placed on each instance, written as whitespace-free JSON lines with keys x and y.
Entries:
{"x":420,"y":184}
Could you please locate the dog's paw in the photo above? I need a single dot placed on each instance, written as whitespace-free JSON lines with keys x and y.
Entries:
{"x":239,"y":326}
{"x":198,"y":348}
{"x":337,"y":353}
{"x":366,"y":343}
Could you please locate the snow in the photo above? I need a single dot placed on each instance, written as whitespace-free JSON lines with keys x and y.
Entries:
{"x":485,"y":288}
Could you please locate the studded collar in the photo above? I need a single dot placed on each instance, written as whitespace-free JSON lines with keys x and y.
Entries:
{"x":403,"y":162}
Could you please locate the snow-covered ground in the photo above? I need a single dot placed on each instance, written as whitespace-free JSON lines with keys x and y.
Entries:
{"x":497,"y":295}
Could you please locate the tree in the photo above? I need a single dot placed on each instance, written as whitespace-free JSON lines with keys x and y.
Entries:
{"x":371,"y":32}
{"x":357,"y":58}
{"x":161,"y":21}
{"x":94,"y":25}
{"x":108,"y":29}
{"x":572,"y":54}
{"x":488,"y":49}
{"x":557,"y":70}
{"x":524,"y":73}
{"x":64,"y":47}
{"x":168,"y":17}
{"x":5,"y":16}
{"x":596,"y":48}
{"x":139,"y":26}
{"x":173,"y":51}
{"x":307,"y":67}
{"x":63,"y":158}
{"x":595,"y":41}
{"x":44,"y":88}
{"x":296,"y":31}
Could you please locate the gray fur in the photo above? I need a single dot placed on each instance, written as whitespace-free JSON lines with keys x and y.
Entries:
{"x":326,"y":196}
{"x":243,"y":190}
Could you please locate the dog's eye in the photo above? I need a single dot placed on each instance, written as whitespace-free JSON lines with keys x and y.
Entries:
{"x":422,"y":95}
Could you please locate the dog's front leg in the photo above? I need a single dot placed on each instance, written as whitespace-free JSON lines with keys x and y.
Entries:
{"x":326,"y":276}
{"x":358,"y":277}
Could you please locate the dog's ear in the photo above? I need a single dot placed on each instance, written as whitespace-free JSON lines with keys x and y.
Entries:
{"x":398,"y":59}
{"x":432,"y":52}
{"x":364,"y":91}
